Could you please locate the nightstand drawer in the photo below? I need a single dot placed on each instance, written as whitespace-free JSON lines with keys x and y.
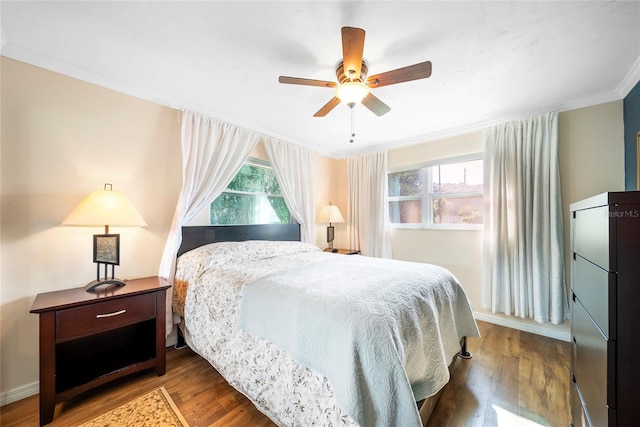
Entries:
{"x":90,"y":319}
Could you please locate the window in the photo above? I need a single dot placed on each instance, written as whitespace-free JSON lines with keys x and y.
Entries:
{"x":446,"y":194}
{"x":252,"y":197}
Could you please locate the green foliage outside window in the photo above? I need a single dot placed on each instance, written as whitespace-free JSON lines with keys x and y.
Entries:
{"x":406,"y":183}
{"x":252,"y":197}
{"x":255,"y":179}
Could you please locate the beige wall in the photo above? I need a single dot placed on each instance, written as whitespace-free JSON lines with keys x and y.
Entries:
{"x":591,"y":151}
{"x":61,"y":139}
{"x":332,"y":187}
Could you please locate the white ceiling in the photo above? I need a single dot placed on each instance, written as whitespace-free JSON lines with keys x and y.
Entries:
{"x":492,"y":60}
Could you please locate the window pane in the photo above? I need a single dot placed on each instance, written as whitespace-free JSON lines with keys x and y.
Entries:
{"x":231,"y":208}
{"x":457,"y":177}
{"x":458,"y":210}
{"x":405,"y":183}
{"x":280,"y":208}
{"x":405,"y":212}
{"x":255,"y":179}
{"x":234,"y":208}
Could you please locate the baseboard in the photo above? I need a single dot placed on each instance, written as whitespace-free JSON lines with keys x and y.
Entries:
{"x":19,"y":393}
{"x":561,"y":332}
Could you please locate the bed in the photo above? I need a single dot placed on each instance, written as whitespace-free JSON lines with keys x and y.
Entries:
{"x":315,"y":338}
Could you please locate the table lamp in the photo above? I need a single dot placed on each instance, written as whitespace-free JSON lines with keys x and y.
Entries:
{"x":330,"y":214}
{"x":108,"y":208}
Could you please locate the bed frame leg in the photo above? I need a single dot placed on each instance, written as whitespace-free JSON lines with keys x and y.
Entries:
{"x":464,"y":354}
{"x":181,"y":343}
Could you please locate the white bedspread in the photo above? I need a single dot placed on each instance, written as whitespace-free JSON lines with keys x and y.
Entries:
{"x":382,"y":331}
{"x":288,"y":392}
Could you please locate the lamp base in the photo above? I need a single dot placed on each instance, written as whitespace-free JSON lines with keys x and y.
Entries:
{"x":91,"y":286}
{"x":330,"y":235}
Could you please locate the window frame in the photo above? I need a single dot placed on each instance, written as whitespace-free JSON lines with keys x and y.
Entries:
{"x":428,"y":197}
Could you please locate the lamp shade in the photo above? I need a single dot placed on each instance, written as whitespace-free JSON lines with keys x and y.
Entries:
{"x":105,"y":208}
{"x":330,"y":213}
{"x":352,"y":93}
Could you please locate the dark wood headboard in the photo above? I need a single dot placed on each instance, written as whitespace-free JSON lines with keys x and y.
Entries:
{"x":196,"y":236}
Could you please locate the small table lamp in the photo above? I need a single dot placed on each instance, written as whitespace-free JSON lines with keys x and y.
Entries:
{"x":330,"y":214}
{"x":108,"y":208}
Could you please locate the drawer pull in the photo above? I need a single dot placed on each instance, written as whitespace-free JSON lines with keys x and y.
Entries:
{"x":115,"y":313}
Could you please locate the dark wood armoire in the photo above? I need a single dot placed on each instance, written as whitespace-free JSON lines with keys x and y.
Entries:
{"x":605,"y":310}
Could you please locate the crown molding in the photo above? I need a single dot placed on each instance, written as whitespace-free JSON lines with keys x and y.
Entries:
{"x":630,"y":80}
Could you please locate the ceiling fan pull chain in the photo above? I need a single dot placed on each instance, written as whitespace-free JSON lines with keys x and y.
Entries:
{"x":353,"y":134}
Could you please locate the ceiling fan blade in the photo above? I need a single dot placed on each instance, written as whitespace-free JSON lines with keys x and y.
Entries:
{"x":374,"y":104}
{"x":405,"y":74}
{"x":352,"y":49}
{"x":306,"y":82}
{"x":327,"y":107}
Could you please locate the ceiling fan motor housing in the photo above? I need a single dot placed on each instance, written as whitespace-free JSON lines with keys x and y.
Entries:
{"x":345,"y":77}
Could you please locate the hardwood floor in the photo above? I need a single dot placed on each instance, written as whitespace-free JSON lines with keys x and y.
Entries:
{"x":514,"y":379}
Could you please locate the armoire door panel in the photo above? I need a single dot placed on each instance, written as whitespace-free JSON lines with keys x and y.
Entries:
{"x":590,"y":364}
{"x":591,"y":235}
{"x":591,"y":286}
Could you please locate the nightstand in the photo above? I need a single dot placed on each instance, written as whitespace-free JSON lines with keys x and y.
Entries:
{"x":343,"y":251}
{"x":90,"y":338}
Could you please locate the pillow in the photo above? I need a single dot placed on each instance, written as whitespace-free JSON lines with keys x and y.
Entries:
{"x":195,"y":262}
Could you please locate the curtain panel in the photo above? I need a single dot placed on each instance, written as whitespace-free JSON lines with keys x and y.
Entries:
{"x":523,"y":261}
{"x":368,"y":207}
{"x":295,"y":169}
{"x":212,"y":153}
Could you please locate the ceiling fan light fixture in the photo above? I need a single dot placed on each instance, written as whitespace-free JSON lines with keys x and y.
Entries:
{"x":353,"y":80}
{"x":352,"y":93}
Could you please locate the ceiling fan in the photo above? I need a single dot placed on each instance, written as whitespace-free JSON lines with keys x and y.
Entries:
{"x":353,"y":84}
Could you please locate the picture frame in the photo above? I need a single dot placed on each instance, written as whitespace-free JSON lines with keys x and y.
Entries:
{"x":106,"y":249}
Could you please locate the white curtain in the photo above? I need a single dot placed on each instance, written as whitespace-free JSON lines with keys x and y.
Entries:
{"x":523,"y":261}
{"x":295,"y":169}
{"x":212,"y":154}
{"x":368,"y":208}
